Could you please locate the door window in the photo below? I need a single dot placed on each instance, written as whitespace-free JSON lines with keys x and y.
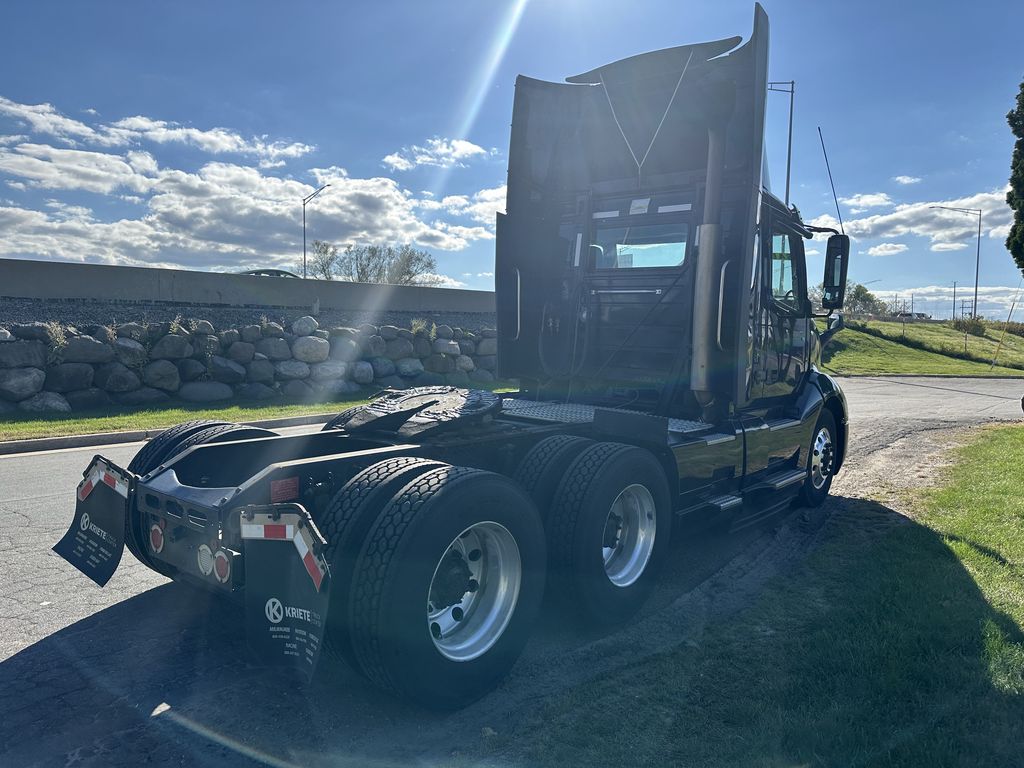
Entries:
{"x":783,"y":276}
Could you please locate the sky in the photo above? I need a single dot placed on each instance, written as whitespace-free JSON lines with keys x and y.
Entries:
{"x":186,"y":134}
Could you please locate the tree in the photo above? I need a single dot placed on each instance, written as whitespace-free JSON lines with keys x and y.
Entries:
{"x":1015,"y":197}
{"x":323,"y":264}
{"x":859,"y":300}
{"x":395,"y":265}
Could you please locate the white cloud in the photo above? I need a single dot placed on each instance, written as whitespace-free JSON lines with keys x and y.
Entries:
{"x":940,"y":247}
{"x":41,"y":165}
{"x":485,"y":274}
{"x":862,"y":202}
{"x":993,"y":300}
{"x":439,"y":153}
{"x":440,"y":281}
{"x":887,"y":249}
{"x":906,"y":179}
{"x":45,"y":119}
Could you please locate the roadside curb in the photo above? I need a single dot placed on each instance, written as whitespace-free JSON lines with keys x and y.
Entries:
{"x":924,"y":376}
{"x":111,"y":438}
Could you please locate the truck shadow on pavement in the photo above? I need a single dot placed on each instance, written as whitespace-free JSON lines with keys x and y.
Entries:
{"x":162,"y":677}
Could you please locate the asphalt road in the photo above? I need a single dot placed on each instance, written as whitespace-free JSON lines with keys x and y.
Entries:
{"x":149,"y":671}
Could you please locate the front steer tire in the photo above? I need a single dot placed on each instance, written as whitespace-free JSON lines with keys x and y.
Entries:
{"x":406,"y":566}
{"x":598,"y":569}
{"x":821,"y":462}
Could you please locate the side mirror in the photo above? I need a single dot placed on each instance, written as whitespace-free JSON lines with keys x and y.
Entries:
{"x":837,"y":257}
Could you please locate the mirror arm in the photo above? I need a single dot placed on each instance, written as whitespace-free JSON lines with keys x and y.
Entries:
{"x":834,"y":327}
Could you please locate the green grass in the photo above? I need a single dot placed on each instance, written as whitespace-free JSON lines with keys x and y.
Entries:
{"x":856,"y":352}
{"x":897,"y":642}
{"x":945,"y":339}
{"x":117,"y":419}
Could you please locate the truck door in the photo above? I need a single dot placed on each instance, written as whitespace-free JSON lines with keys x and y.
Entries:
{"x":781,"y":345}
{"x":784,"y":342}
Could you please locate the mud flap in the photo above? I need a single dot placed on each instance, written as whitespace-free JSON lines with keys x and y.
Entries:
{"x":95,"y":541}
{"x":287,"y":586}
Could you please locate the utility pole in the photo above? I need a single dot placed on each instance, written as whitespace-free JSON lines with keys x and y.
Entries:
{"x":977,"y":263}
{"x":953,"y":316}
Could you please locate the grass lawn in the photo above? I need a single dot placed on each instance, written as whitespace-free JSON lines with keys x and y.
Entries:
{"x":116,"y":419}
{"x":853,"y":352}
{"x":897,"y":642}
{"x":944,"y":338}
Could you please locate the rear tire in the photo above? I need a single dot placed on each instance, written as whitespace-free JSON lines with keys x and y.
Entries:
{"x":413,"y":576}
{"x":345,"y":524}
{"x":608,"y":532}
{"x":544,"y":466}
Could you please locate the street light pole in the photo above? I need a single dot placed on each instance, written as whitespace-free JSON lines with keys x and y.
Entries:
{"x":306,"y":200}
{"x":977,"y":264}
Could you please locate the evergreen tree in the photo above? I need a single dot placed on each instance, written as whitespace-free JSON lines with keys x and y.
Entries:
{"x":1015,"y":197}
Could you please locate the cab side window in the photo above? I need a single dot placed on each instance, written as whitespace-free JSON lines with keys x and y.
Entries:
{"x":783,"y":275}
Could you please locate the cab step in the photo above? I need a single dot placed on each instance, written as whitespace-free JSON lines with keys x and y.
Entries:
{"x":778,"y":481}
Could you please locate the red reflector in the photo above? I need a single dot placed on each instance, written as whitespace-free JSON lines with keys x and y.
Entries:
{"x":285,"y":489}
{"x":109,"y":479}
{"x":275,"y":531}
{"x":156,"y":538}
{"x":221,"y":566}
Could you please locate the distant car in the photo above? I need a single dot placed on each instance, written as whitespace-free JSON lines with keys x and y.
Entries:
{"x":270,"y":273}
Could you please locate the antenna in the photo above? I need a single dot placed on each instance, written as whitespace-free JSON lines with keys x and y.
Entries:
{"x":822,"y":138}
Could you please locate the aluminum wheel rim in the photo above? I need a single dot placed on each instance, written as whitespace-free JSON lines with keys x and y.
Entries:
{"x":822,"y":456}
{"x":487,"y":557}
{"x":629,"y":535}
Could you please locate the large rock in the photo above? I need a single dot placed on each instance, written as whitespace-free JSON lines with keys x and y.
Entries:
{"x":458,"y":334}
{"x":481,"y":376}
{"x":409,"y":367}
{"x":252,"y":333}
{"x":143,"y":396}
{"x":241,"y":352}
{"x":206,"y":344}
{"x":305,"y":326}
{"x":202,"y":328}
{"x":191,"y":369}
{"x":487,"y":346}
{"x":405,"y":333}
{"x":255,"y":391}
{"x":45,"y":401}
{"x":489,"y":333}
{"x":331,"y":390}
{"x":115,"y":377}
{"x":421,"y":346}
{"x":393,"y":381}
{"x":398,"y":348}
{"x":487,"y":362}
{"x":328,"y":371}
{"x":374,"y":346}
{"x":87,"y":399}
{"x":130,"y":352}
{"x":382,"y":366}
{"x":171,"y":347}
{"x":446,"y":347}
{"x":388,"y":332}
{"x":273,"y":330}
{"x":362,"y":372}
{"x":428,"y":379}
{"x":275,"y":348}
{"x":344,"y":349}
{"x":320,"y":333}
{"x":227,"y":371}
{"x":366,"y":329}
{"x":205,"y":391}
{"x":445,"y":332}
{"x":288,"y":370}
{"x":67,"y":377}
{"x":161,"y":374}
{"x":457,"y":379}
{"x":261,"y":371}
{"x":133,"y":331}
{"x":464,"y":363}
{"x":228,"y":337}
{"x":311,"y":349}
{"x":22,"y":354}
{"x":298,"y":390}
{"x":32,"y":332}
{"x":86,"y":349}
{"x":467,"y":347}
{"x":20,"y":383}
{"x":5,"y":335}
{"x":438,"y":363}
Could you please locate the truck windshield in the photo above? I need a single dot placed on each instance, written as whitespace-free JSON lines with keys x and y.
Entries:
{"x":643,"y":245}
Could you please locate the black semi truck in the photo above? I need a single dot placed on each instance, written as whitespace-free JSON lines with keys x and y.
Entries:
{"x":652,"y":301}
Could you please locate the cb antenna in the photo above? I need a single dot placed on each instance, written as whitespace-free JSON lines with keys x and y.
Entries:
{"x":822,"y":139}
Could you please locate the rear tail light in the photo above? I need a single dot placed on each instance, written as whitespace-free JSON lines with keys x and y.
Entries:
{"x":222,"y":566}
{"x":156,"y":538}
